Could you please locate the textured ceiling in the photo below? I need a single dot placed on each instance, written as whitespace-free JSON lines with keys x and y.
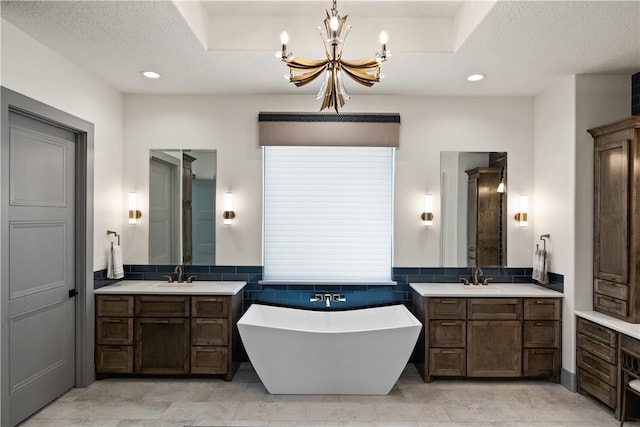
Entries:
{"x":522,"y":46}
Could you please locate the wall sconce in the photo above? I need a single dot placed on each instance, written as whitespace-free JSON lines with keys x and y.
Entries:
{"x":427,"y":215}
{"x":521,"y":217}
{"x":228,"y":213}
{"x":134,"y":213}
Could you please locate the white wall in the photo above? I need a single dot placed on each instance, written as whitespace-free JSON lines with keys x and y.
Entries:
{"x":553,"y":193}
{"x":229,"y":124}
{"x":30,"y":68}
{"x":563,"y":181}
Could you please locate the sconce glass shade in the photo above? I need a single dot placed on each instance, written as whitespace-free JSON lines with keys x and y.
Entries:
{"x":134,"y":213}
{"x":228,"y":213}
{"x":521,"y":217}
{"x":427,"y":215}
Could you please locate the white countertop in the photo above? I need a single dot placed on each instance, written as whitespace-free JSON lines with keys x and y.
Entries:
{"x":164,"y":288}
{"x":630,"y":329}
{"x":492,"y":290}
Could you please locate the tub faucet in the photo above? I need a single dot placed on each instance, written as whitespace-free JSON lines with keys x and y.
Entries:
{"x":178,"y":271}
{"x":327,"y":300}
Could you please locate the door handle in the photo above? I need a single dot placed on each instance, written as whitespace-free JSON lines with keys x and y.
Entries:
{"x":72,"y":293}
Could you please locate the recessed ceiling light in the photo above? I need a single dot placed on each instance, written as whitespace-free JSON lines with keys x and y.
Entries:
{"x":151,"y":74}
{"x":475,"y":77}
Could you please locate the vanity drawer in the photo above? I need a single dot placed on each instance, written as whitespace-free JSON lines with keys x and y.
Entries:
{"x":598,"y":349}
{"x":612,"y":289}
{"x":540,"y":362}
{"x":114,"y":331}
{"x":449,"y":362}
{"x":162,"y":306}
{"x":447,"y":333}
{"x":114,"y":359}
{"x":612,"y":306}
{"x":598,"y":332}
{"x":116,"y":306}
{"x":597,"y":367}
{"x":207,"y":331}
{"x":210,"y":306}
{"x":494,"y":308}
{"x":597,"y":388}
{"x":631,"y":344}
{"x":209,"y":360}
{"x":542,"y":309}
{"x":541,"y":334}
{"x":447,"y":308}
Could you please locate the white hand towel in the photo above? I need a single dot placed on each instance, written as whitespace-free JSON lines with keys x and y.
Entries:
{"x":115,"y":270}
{"x":540,"y":266}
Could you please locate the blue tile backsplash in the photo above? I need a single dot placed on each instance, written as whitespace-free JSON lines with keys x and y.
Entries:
{"x":291,"y":293}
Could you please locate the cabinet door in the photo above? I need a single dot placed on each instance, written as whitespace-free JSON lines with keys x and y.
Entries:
{"x":209,"y":360}
{"x":162,"y":346}
{"x":540,"y":362}
{"x":209,"y":331}
{"x":542,"y":309}
{"x":114,"y":331}
{"x":494,"y":308}
{"x":541,"y":334}
{"x":611,"y":209}
{"x":494,"y":348}
{"x":162,"y":306}
{"x":114,"y":359}
{"x":210,"y":306}
{"x":450,"y":362}
{"x":447,"y":333}
{"x":116,"y":306}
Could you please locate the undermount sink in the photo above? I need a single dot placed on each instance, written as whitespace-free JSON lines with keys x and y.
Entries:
{"x":174,"y":285}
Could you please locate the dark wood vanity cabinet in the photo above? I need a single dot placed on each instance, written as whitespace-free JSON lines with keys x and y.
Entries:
{"x":168,"y":334}
{"x":488,"y":337}
{"x":114,"y":334}
{"x":616,"y":251}
{"x":541,"y":337}
{"x":597,"y":361}
{"x":446,"y":337}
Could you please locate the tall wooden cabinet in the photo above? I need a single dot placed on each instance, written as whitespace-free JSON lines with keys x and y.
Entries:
{"x":187,"y":209}
{"x":483,"y":217}
{"x":616,"y":251}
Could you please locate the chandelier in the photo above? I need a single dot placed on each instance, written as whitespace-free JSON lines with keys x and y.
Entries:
{"x":365,"y":71}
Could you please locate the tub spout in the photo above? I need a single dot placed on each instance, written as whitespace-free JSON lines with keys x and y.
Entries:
{"x":327,"y":300}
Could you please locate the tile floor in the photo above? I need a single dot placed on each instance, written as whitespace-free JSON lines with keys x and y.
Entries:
{"x":245,"y":402}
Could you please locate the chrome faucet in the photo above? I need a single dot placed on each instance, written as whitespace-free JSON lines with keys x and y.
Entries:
{"x":178,"y":271}
{"x":327,"y":300}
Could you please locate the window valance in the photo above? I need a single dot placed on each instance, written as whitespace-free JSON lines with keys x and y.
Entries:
{"x":316,"y":129}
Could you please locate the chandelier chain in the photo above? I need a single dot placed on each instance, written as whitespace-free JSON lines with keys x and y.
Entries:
{"x":334,"y":9}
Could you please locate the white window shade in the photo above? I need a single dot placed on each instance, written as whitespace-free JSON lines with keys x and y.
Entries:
{"x":328,"y":213}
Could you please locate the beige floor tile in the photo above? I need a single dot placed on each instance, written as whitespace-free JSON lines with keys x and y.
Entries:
{"x":271,"y":411}
{"x":130,"y":410}
{"x":244,"y":402}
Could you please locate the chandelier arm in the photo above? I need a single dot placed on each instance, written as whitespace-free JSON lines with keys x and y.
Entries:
{"x":328,"y":100}
{"x":364,"y":62}
{"x":362,"y":78}
{"x":303,"y":79}
{"x":304,"y":63}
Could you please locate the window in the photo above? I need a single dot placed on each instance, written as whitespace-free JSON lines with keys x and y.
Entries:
{"x":328,"y":213}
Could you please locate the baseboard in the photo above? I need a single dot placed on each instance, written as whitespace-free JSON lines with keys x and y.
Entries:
{"x":568,"y":380}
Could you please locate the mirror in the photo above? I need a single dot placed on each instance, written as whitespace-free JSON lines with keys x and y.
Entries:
{"x":473,"y":210}
{"x":182,"y":206}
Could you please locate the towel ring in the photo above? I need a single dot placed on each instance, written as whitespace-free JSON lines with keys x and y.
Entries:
{"x":115,"y":234}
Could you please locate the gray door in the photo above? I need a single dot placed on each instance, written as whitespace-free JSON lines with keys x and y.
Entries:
{"x":204,"y":227}
{"x":41,"y":314}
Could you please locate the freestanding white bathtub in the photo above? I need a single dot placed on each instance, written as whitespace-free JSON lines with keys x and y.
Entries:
{"x":298,"y":351}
